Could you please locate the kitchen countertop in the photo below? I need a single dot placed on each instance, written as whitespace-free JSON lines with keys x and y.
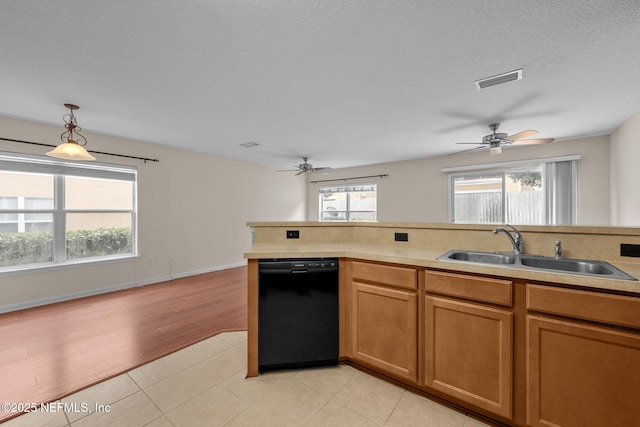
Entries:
{"x":427,"y":257}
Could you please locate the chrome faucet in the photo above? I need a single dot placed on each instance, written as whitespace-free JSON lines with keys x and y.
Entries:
{"x":558,"y":249}
{"x":516,"y":239}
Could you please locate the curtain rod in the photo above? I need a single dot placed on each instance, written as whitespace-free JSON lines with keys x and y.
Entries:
{"x":91,"y":151}
{"x":348,"y":179}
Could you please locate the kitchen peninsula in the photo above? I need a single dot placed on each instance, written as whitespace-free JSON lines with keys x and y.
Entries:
{"x":518,"y":346}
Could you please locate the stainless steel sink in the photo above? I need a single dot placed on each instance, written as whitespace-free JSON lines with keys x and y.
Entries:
{"x":570,"y":265}
{"x":583,"y":267}
{"x":483,"y":257}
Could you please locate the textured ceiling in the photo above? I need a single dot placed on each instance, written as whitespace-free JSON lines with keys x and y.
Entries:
{"x":345,"y":82}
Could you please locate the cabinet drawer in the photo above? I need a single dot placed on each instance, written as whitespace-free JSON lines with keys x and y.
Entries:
{"x":494,"y":291}
{"x":594,"y":306}
{"x":391,"y":275}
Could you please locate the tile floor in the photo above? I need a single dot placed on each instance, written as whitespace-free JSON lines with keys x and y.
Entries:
{"x":205,"y":385}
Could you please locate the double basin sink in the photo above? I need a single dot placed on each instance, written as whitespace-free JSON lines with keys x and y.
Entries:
{"x":540,"y":263}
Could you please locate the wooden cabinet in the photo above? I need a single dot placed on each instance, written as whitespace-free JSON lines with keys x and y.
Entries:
{"x":581,"y":373}
{"x":468,"y":345}
{"x":384,"y":322}
{"x":520,"y":353}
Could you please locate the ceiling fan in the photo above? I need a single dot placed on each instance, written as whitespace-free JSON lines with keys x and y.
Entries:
{"x":305,"y":168}
{"x":494,"y":141}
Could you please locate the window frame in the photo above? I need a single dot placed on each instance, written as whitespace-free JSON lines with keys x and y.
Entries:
{"x":503,"y":176}
{"x":21,"y":213}
{"x":348,"y":189}
{"x":59,"y":170}
{"x":550,"y":186}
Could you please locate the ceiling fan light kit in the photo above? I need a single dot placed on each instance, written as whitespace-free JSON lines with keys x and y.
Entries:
{"x":72,"y":147}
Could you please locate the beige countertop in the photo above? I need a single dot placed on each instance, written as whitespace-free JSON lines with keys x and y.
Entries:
{"x":427,"y":257}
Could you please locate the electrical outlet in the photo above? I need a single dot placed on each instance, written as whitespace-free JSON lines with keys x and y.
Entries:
{"x":627,"y":249}
{"x":293,"y":234}
{"x":402,"y":237}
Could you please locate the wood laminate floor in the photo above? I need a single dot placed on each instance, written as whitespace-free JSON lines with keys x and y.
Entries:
{"x":52,"y":351}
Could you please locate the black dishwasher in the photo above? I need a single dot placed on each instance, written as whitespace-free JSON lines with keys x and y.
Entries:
{"x":297,"y":313}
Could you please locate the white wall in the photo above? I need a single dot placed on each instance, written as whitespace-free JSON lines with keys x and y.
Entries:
{"x":416,"y":190}
{"x":625,"y":173}
{"x":191,"y":205}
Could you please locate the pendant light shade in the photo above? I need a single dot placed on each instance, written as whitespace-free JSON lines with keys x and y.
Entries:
{"x":70,"y":151}
{"x":72,"y":142}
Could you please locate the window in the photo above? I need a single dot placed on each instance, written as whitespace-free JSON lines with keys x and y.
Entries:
{"x":24,"y":222}
{"x":348,"y":203}
{"x":531,"y":192}
{"x":53,"y":211}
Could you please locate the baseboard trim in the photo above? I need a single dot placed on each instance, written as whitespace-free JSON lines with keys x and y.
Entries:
{"x":114,"y":288}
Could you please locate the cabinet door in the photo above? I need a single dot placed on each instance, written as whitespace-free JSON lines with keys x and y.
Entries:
{"x":384,"y":333}
{"x":581,"y":375}
{"x":468,"y":350}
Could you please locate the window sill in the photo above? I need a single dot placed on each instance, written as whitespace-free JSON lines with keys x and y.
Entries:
{"x":43,"y":268}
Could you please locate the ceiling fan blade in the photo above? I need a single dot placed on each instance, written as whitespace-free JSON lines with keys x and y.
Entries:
{"x":288,"y":170}
{"x":475,"y":143}
{"x":323,"y":171}
{"x":533,"y":141}
{"x":470,"y":149}
{"x":523,"y":134}
{"x":301,"y":172}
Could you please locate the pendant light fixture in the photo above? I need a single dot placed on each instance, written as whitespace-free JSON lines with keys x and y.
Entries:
{"x":72,"y":147}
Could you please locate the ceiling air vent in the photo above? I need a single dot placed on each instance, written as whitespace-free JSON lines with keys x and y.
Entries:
{"x":249,"y":144}
{"x":499,"y":79}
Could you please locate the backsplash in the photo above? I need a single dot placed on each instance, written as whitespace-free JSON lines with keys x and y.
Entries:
{"x":577,"y":241}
